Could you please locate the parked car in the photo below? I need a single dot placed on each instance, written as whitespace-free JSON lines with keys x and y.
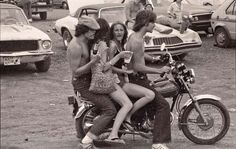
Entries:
{"x":178,"y":44}
{"x":223,"y":23}
{"x":40,"y":7}
{"x":61,"y":3}
{"x":20,"y":42}
{"x":198,"y":9}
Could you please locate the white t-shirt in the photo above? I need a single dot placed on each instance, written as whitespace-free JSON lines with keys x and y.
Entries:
{"x":174,"y":8}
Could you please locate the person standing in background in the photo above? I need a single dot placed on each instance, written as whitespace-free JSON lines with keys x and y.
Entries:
{"x":131,"y":9}
{"x":26,"y":4}
{"x":175,"y":12}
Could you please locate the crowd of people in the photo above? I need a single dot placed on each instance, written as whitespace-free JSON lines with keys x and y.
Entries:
{"x":112,"y":47}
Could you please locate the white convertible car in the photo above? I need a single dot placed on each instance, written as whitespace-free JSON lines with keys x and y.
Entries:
{"x":177,"y":44}
{"x":20,"y":42}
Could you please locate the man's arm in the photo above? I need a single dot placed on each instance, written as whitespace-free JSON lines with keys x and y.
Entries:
{"x":139,"y":59}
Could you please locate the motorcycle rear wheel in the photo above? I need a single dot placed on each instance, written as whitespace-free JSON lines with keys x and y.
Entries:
{"x":217,"y":117}
{"x":85,"y":122}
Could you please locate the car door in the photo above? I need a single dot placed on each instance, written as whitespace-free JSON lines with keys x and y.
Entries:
{"x":230,"y":19}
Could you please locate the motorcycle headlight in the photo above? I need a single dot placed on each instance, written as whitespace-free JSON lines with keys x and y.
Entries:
{"x":192,"y":76}
{"x":192,"y":73}
{"x":46,"y":44}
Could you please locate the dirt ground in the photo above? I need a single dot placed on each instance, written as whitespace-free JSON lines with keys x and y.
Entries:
{"x":35,"y":113}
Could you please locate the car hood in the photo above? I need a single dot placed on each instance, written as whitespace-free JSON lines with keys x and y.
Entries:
{"x":22,"y":32}
{"x":193,"y":9}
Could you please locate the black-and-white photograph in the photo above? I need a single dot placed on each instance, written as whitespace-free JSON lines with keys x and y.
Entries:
{"x":118,"y":74}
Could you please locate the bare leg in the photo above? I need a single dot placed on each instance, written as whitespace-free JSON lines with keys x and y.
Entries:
{"x":145,"y":95}
{"x":121,"y":98}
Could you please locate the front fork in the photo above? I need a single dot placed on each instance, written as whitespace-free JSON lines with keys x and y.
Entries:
{"x":197,"y":107}
{"x":194,"y":101}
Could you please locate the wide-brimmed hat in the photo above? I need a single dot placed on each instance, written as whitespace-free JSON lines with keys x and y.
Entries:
{"x":89,"y":22}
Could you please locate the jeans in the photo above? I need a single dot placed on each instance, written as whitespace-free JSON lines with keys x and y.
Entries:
{"x":27,"y":9}
{"x":162,"y":130}
{"x":101,"y":101}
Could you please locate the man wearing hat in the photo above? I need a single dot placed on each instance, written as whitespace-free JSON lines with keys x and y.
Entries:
{"x":78,"y":54}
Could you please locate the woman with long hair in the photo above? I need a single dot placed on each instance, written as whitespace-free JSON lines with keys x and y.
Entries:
{"x":118,"y":36}
{"x":118,"y":95}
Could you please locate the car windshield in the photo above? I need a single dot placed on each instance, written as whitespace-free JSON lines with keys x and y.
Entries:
{"x":12,"y":16}
{"x":204,"y":2}
{"x":113,"y":14}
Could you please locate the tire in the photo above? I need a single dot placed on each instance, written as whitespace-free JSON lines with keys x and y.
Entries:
{"x":64,"y":5}
{"x":43,"y":66}
{"x":66,"y":37}
{"x":204,"y":133}
{"x":222,"y":38}
{"x":43,"y":15}
{"x":84,"y":121}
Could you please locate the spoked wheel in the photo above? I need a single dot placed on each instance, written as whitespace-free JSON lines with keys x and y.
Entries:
{"x":85,"y":122}
{"x":217,"y":118}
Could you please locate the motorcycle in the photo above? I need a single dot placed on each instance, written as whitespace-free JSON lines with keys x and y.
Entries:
{"x":203,"y":119}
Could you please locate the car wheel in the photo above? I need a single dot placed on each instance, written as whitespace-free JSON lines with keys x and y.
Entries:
{"x":43,"y":15}
{"x":43,"y":66}
{"x":64,"y":5}
{"x":221,"y":38}
{"x":66,"y":38}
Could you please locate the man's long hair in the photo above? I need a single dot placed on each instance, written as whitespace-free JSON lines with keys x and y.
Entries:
{"x":143,"y":18}
{"x":103,"y":32}
{"x":80,"y":29}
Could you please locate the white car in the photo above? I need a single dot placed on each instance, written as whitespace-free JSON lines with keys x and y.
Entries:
{"x":20,"y":42}
{"x":223,"y":23}
{"x":178,"y":44}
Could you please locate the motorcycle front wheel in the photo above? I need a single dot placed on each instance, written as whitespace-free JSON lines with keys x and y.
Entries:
{"x":218,"y":122}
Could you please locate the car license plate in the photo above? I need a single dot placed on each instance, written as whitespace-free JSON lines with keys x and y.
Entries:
{"x":11,"y":61}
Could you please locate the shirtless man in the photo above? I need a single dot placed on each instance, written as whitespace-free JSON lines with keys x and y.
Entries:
{"x":145,"y":22}
{"x":80,"y":65}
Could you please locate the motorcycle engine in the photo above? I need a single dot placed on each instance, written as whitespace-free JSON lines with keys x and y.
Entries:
{"x":147,"y":125}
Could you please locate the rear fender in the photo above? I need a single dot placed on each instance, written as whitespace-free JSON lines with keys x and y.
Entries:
{"x":84,"y":106}
{"x":81,"y":110}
